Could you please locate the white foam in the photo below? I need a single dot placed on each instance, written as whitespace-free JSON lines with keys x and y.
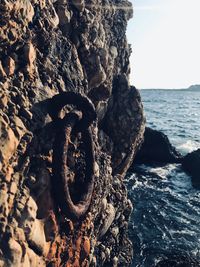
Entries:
{"x":160,"y":172}
{"x":188,"y":147}
{"x":163,"y":171}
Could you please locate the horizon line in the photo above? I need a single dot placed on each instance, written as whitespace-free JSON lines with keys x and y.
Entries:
{"x":169,"y":88}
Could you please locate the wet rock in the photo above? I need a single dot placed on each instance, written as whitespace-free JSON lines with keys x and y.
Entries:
{"x":157,"y":148}
{"x":191,"y":164}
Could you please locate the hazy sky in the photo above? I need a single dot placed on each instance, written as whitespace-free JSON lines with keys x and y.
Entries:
{"x":165,"y":39}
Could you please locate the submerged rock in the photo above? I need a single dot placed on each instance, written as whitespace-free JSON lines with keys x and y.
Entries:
{"x":191,"y":164}
{"x":157,"y":148}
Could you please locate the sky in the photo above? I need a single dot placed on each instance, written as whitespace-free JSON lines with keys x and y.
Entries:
{"x":165,"y":40}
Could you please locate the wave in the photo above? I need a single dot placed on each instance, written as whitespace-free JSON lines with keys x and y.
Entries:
{"x":164,"y":226}
{"x":188,"y":146}
{"x":166,"y":214}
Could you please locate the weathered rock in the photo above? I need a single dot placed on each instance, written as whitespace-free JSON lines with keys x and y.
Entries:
{"x":30,"y":56}
{"x":49,"y":47}
{"x":157,"y":148}
{"x":99,"y":77}
{"x":125,"y":113}
{"x":3,"y":101}
{"x":26,"y":9}
{"x":8,"y":141}
{"x":109,"y":217}
{"x":37,"y":237}
{"x":10,"y":66}
{"x":19,"y":127}
{"x":16,"y":252}
{"x":2,"y":71}
{"x":115,"y":261}
{"x":64,"y":15}
{"x":191,"y":164}
{"x":79,"y":4}
{"x":4,"y":200}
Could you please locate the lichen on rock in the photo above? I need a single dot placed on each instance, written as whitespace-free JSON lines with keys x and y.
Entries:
{"x":48,"y":48}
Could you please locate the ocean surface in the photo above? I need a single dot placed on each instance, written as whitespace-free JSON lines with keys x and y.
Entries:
{"x":165,"y":223}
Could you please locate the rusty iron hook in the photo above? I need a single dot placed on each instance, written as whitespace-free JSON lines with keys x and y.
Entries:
{"x":82,"y":103}
{"x":60,"y":181}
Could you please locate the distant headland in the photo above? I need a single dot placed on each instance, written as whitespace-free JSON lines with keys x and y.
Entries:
{"x":194,"y":87}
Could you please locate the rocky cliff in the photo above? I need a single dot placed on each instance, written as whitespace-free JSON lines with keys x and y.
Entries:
{"x":70,"y":125}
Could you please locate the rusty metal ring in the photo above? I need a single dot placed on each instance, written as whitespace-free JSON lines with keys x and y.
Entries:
{"x":82,"y":103}
{"x":60,"y":181}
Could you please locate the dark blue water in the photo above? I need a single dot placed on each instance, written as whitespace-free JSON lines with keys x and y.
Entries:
{"x":166,"y":217}
{"x":176,"y":113}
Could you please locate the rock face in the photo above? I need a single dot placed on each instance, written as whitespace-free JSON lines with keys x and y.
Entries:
{"x":48,"y":47}
{"x":157,"y":148}
{"x":124,"y":114}
{"x":191,"y":164}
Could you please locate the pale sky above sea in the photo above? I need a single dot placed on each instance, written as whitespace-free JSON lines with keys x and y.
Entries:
{"x":165,"y":39}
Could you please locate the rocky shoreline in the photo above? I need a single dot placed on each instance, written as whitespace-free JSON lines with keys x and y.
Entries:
{"x":48,"y":48}
{"x":157,"y":149}
{"x":62,"y":162}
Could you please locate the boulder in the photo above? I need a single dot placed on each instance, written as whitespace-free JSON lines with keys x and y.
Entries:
{"x":191,"y":164}
{"x":157,"y":148}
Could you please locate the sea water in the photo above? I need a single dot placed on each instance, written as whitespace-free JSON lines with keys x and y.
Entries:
{"x":166,"y":219}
